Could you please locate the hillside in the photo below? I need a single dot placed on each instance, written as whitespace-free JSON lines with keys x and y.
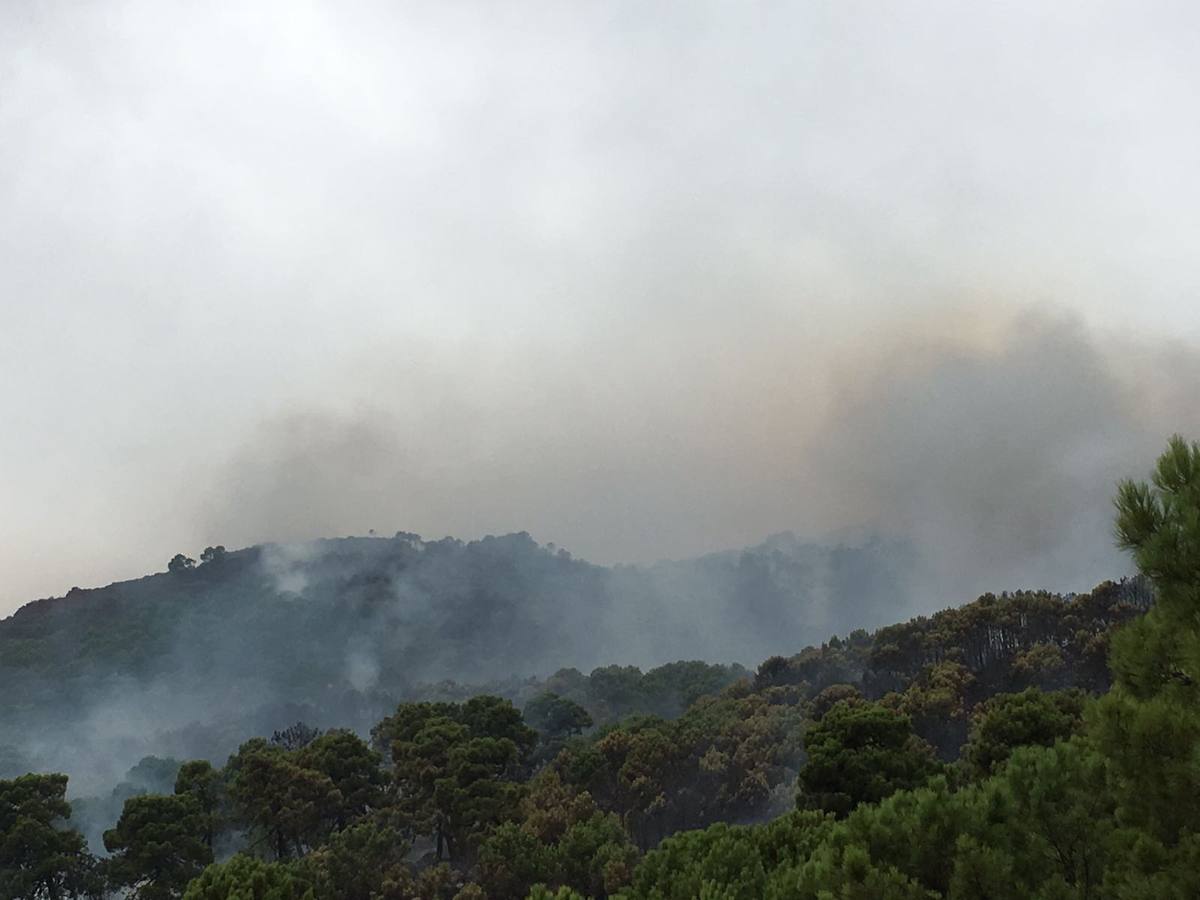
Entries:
{"x":337,"y":630}
{"x":603,"y":767}
{"x":156,"y":698}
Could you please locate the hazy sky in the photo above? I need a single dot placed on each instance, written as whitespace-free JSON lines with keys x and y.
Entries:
{"x":643,"y":279}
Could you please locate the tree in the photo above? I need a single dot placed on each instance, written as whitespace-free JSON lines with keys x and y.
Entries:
{"x":451,"y":785}
{"x":246,"y":878}
{"x":861,"y":753}
{"x":295,"y":736}
{"x":1059,"y":816}
{"x":158,"y":846}
{"x":596,"y":855}
{"x":180,"y":563}
{"x":406,"y":722}
{"x":550,"y":807}
{"x":494,"y":717}
{"x":1160,"y":524}
{"x":833,"y":695}
{"x":473,"y":795}
{"x":556,"y":717}
{"x":541,"y":892}
{"x":1007,"y":721}
{"x":39,"y":858}
{"x":686,"y":864}
{"x":363,"y":862}
{"x":353,"y":768}
{"x":199,"y":780}
{"x":512,"y":860}
{"x":288,"y":808}
{"x":936,"y":702}
{"x":1153,"y":711}
{"x":212,"y":554}
{"x":454,"y":767}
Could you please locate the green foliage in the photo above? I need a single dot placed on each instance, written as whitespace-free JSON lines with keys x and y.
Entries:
{"x":722,"y":760}
{"x":861,"y":753}
{"x":204,"y":784}
{"x":247,"y":878}
{"x":497,"y":718}
{"x":39,"y":858}
{"x":354,"y":770}
{"x":559,"y":838}
{"x":287,"y":808}
{"x":596,"y":855}
{"x":1058,"y":816}
{"x":1004,"y":641}
{"x":1153,"y":712}
{"x":363,"y":862}
{"x":725,"y":860}
{"x":1160,"y":524}
{"x":1007,"y":721}
{"x":612,"y":693}
{"x":512,"y":860}
{"x":541,"y":892}
{"x":929,"y":842}
{"x":158,"y":846}
{"x":551,"y":806}
{"x":454,"y":767}
{"x":681,"y":867}
{"x":556,"y":717}
{"x":833,"y":695}
{"x":938,"y":704}
{"x":1132,"y":732}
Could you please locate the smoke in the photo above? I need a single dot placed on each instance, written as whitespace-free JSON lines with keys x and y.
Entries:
{"x":284,"y":566}
{"x":916,"y":471}
{"x":424,"y":255}
{"x":992,"y":448}
{"x":362,"y":670}
{"x":1000,"y":463}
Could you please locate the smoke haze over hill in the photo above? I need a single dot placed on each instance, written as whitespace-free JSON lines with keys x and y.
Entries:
{"x":647,"y":283}
{"x":995,"y":459}
{"x":336,"y":631}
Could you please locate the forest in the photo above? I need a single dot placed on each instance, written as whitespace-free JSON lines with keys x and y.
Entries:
{"x":188,"y":662}
{"x":1026,"y":744}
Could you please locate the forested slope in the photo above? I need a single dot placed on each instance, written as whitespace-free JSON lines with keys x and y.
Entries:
{"x":465,"y":791}
{"x":187,"y":662}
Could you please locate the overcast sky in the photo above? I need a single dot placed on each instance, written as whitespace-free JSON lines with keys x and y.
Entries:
{"x":643,"y":279}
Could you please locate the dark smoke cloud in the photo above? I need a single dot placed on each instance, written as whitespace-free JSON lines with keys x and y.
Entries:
{"x":995,"y":454}
{"x":999,"y":464}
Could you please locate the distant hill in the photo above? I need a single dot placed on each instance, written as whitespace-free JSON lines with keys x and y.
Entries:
{"x":340,"y":628}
